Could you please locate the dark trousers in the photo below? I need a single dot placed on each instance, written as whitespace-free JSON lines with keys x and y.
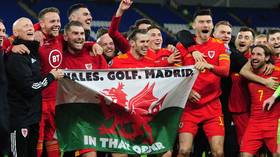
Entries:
{"x":24,"y":141}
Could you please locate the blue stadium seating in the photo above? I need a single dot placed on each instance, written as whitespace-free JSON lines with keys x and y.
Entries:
{"x":103,"y":12}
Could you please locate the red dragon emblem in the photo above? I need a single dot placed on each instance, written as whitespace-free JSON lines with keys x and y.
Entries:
{"x":133,"y":122}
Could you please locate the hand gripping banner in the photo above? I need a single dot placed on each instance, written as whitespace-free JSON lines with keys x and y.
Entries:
{"x":133,"y":111}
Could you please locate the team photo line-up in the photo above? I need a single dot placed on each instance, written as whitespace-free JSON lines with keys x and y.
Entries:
{"x":232,"y":106}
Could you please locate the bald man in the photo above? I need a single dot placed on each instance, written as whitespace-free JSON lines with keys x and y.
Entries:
{"x":24,"y":90}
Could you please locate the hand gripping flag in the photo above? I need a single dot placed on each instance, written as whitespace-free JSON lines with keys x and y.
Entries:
{"x":133,"y":111}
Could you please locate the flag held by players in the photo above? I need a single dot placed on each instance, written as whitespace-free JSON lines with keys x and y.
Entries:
{"x":128,"y":111}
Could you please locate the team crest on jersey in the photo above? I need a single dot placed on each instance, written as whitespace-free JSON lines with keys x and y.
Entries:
{"x":211,"y":54}
{"x":88,"y":66}
{"x":24,"y":132}
{"x":181,"y":125}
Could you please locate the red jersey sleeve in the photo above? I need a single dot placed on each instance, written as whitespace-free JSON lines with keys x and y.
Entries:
{"x":103,"y":63}
{"x":223,"y":68}
{"x":187,"y":58}
{"x":5,"y":45}
{"x":162,"y":58}
{"x":37,"y":26}
{"x":120,"y":41}
{"x":88,"y":45}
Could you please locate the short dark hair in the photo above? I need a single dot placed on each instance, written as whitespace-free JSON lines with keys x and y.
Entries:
{"x":143,"y":21}
{"x":133,"y":33}
{"x":202,"y":12}
{"x":248,"y":29}
{"x":1,"y":20}
{"x":101,"y":31}
{"x":153,"y":27}
{"x":225,"y":23}
{"x":75,"y":7}
{"x":47,"y":10}
{"x":70,"y":24}
{"x":267,"y":52}
{"x":271,"y":32}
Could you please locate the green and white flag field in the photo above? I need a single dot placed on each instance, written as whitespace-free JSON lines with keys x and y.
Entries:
{"x":133,"y":111}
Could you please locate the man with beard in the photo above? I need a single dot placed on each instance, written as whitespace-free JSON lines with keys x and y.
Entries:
{"x":238,"y":103}
{"x":77,"y":56}
{"x":162,"y":57}
{"x":203,"y":106}
{"x":263,"y":122}
{"x":24,"y":90}
{"x":51,"y":57}
{"x":222,"y":31}
{"x":136,"y":57}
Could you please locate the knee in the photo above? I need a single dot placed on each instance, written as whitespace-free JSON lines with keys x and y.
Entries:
{"x":167,"y":154}
{"x":218,"y":153}
{"x":185,"y":152}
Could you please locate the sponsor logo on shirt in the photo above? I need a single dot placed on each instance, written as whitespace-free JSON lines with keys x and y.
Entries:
{"x":55,"y":58}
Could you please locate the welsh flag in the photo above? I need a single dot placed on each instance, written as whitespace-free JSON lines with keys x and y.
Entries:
{"x":133,"y":111}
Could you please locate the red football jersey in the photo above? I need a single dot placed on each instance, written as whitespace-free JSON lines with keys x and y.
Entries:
{"x":160,"y":57}
{"x":128,"y":61}
{"x":121,"y":43}
{"x":238,"y":99}
{"x":207,"y":83}
{"x":276,"y":60}
{"x":83,"y":60}
{"x":258,"y":94}
{"x":51,"y":58}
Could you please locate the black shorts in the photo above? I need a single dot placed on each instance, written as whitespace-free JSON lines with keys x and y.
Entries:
{"x":24,"y":141}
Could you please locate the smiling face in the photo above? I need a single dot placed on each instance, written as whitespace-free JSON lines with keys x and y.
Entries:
{"x":223,"y":32}
{"x":23,"y":29}
{"x":140,"y":44}
{"x":82,"y":15}
{"x":75,"y":38}
{"x":274,"y":42}
{"x":50,"y":24}
{"x":155,"y":36}
{"x":203,"y":26}
{"x":258,"y":58}
{"x":106,"y":42}
{"x":243,"y":41}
